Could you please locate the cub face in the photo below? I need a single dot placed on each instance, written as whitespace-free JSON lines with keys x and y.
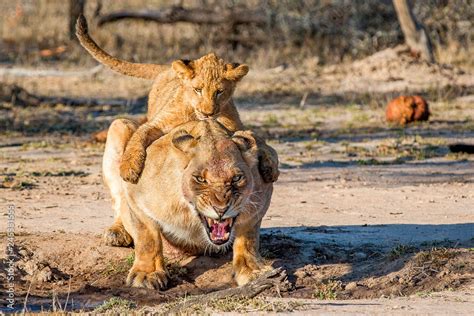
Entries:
{"x":208,"y":83}
{"x":217,"y":184}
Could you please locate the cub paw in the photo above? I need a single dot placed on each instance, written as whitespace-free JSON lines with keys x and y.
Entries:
{"x":155,"y":280}
{"x":117,"y":236}
{"x":131,"y":166}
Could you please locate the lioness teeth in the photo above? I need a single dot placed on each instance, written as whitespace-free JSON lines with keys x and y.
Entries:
{"x":219,"y":231}
{"x":227,"y":221}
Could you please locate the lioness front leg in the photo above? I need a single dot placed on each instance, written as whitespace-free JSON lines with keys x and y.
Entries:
{"x":133,"y":159}
{"x":247,"y":260}
{"x":148,"y":270}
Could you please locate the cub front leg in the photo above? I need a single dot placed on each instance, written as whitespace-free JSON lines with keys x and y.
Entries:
{"x":133,"y":159}
{"x":247,"y":261}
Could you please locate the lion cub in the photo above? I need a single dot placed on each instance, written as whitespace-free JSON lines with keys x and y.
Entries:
{"x":188,"y":90}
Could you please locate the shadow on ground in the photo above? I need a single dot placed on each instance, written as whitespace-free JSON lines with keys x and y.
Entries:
{"x":322,"y":262}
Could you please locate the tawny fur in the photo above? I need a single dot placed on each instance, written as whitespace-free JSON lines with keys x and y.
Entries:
{"x":167,"y":200}
{"x":406,"y":109}
{"x":186,"y":91}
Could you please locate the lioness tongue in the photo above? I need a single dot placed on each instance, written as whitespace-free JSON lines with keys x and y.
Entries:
{"x":219,"y":229}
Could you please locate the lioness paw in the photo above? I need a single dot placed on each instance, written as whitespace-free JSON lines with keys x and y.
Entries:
{"x":131,"y":166}
{"x":117,"y":236}
{"x":156,"y":280}
{"x":246,"y":275}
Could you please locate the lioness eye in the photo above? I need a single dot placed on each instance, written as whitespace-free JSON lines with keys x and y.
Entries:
{"x":198,"y":91}
{"x":237,"y":178}
{"x":219,"y":92}
{"x":199,"y":179}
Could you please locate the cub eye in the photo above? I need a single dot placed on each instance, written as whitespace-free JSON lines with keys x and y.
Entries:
{"x":220,"y":92}
{"x":237,"y":178}
{"x":199,"y":179}
{"x":198,"y":91}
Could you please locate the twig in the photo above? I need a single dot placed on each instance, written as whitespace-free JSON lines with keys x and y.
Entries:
{"x":68,"y":292}
{"x":26,"y":298}
{"x":303,"y":99}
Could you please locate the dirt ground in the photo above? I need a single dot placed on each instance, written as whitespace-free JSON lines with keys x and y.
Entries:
{"x":366,"y":218}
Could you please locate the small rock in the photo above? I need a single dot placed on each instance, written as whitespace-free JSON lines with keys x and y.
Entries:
{"x":45,"y":275}
{"x":30,"y":267}
{"x":351,"y":286}
{"x":23,"y":253}
{"x":371,"y":282}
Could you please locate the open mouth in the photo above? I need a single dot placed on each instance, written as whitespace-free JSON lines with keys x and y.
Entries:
{"x":218,"y":231}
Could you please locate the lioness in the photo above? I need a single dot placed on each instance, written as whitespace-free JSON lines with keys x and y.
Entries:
{"x":186,"y":91}
{"x":200,"y":189}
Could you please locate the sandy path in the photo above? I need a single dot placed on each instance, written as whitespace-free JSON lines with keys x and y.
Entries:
{"x":375,"y":204}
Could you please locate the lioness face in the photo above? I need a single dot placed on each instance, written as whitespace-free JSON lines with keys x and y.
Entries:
{"x":217,"y":184}
{"x":209,"y":83}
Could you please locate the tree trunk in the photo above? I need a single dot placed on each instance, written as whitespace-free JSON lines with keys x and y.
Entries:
{"x":415,"y":34}
{"x":76,"y":8}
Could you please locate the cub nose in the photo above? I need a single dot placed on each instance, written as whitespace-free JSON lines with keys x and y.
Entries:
{"x":207,"y":114}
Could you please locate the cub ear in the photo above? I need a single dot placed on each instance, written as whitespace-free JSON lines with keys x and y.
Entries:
{"x":183,"y":68}
{"x":183,"y":141}
{"x":244,"y":140}
{"x":235,"y":72}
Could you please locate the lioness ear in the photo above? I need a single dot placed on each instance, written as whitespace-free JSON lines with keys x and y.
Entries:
{"x":235,"y":72}
{"x":183,"y":69}
{"x":244,"y":140}
{"x":183,"y":141}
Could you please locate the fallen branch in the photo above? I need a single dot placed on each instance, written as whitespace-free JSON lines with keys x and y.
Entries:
{"x":265,"y":281}
{"x":197,"y":15}
{"x":18,"y":96}
{"x":231,"y":17}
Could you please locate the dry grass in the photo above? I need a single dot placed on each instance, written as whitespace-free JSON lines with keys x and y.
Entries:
{"x":231,"y":304}
{"x":345,"y":31}
{"x":116,"y":305}
{"x":327,"y":290}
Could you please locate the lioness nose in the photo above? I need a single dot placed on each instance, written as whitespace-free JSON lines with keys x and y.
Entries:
{"x":221,"y":210}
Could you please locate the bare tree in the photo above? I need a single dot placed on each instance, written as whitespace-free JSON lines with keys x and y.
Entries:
{"x":76,"y":8}
{"x":415,"y":34}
